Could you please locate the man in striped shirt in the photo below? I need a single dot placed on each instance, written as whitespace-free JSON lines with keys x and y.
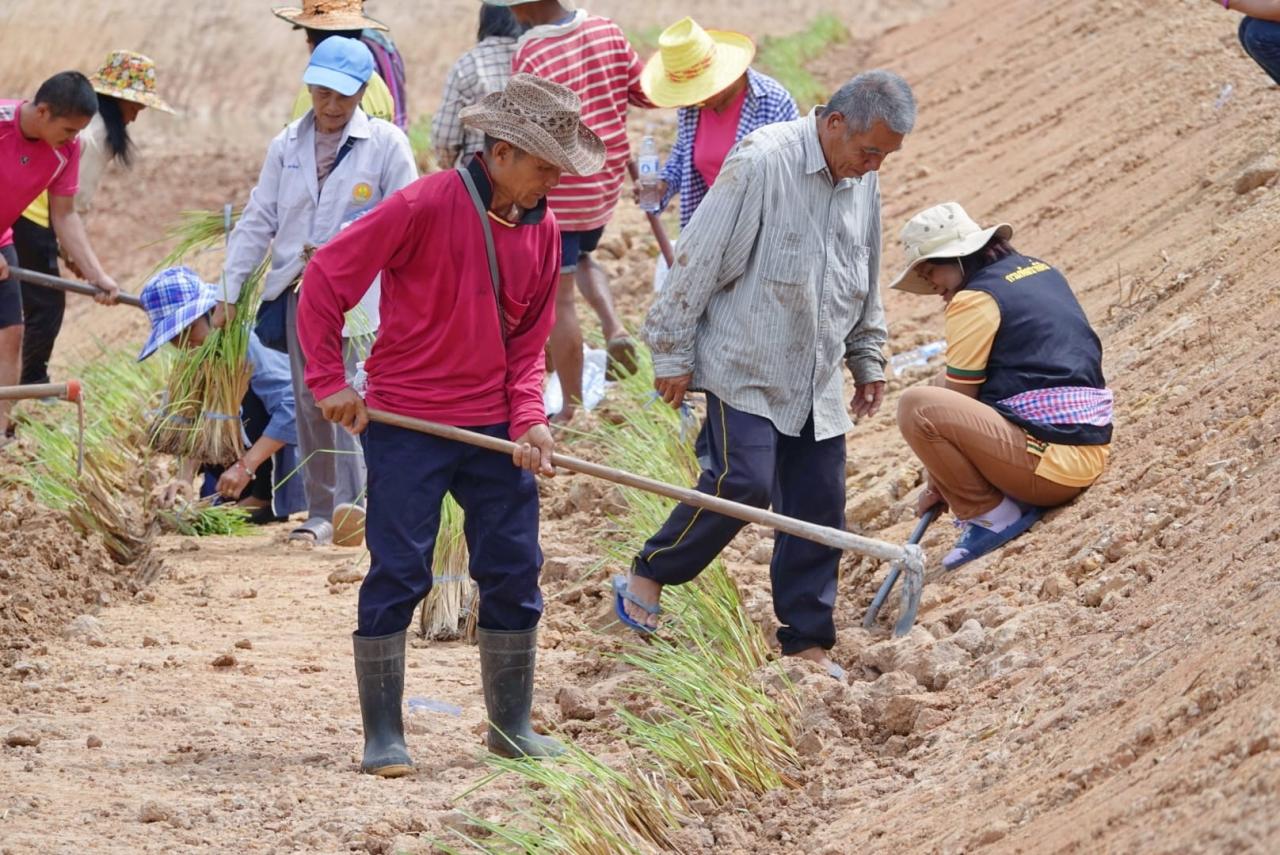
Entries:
{"x":774,"y":285}
{"x":590,"y":55}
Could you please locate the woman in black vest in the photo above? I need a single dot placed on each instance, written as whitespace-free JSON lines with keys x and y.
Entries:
{"x":1021,"y":421}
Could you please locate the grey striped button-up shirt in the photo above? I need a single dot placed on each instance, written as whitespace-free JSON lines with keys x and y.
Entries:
{"x":774,"y":282}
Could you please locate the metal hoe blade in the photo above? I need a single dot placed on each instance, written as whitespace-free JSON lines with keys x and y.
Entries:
{"x":915,"y":576}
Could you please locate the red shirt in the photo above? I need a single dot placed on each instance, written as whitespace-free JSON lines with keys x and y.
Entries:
{"x":715,"y":136}
{"x":439,"y":353}
{"x":591,"y":56}
{"x":29,"y":167}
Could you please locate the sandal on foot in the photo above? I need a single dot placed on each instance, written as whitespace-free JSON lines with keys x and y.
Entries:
{"x":621,"y":596}
{"x":316,"y":531}
{"x":622,"y":357}
{"x":978,"y":541}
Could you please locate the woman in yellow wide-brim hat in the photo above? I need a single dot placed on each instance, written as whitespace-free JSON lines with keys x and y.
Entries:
{"x":708,"y":75}
{"x":126,"y":85}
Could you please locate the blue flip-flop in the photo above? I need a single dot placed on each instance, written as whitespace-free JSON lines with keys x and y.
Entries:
{"x":978,"y":541}
{"x":621,"y":596}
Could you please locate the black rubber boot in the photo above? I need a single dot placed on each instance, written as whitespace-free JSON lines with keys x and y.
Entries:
{"x":506,"y":669}
{"x":380,"y":678}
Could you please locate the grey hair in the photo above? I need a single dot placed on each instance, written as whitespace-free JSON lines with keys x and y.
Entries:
{"x":875,"y":96}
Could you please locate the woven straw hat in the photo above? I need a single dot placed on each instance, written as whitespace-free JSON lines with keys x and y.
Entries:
{"x":943,"y":231}
{"x":692,"y":64}
{"x":131,"y":77}
{"x":329,"y":15}
{"x":542,"y":118}
{"x":568,"y":4}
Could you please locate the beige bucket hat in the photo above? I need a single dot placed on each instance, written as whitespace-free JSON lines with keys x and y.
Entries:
{"x":129,"y":76}
{"x":943,"y":231}
{"x":329,"y":15}
{"x":542,"y":118}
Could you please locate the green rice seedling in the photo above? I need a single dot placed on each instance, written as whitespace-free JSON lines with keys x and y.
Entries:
{"x":194,"y":233}
{"x":580,"y":805}
{"x":648,"y":440}
{"x":716,"y":726}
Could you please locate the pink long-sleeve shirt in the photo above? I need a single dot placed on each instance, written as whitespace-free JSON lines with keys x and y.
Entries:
{"x":439,"y":353}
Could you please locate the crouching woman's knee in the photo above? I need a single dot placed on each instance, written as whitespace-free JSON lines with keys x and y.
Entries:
{"x":911,"y":409}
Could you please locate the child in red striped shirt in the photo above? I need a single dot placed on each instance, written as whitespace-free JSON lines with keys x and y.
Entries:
{"x":590,"y":55}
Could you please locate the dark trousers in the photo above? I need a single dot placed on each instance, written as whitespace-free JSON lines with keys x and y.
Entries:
{"x":1261,"y":40}
{"x":255,"y":418}
{"x":751,"y":462}
{"x":42,"y":308}
{"x":409,"y":474}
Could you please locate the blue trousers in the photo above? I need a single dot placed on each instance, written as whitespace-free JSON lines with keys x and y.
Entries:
{"x":751,"y":462}
{"x":409,"y":474}
{"x":1261,"y":40}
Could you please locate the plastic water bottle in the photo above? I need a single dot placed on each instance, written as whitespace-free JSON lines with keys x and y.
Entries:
{"x":361,"y":381}
{"x":919,"y":356}
{"x":650,"y":168}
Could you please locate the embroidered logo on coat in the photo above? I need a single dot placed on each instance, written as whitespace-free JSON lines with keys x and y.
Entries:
{"x":361,"y":193}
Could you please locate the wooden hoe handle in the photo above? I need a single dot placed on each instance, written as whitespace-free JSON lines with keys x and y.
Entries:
{"x":825,"y":535}
{"x":59,"y":284}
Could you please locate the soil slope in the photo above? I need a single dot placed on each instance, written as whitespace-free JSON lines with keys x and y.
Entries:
{"x":1106,"y":684}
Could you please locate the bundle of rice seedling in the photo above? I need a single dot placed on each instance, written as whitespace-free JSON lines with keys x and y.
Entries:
{"x":91,"y":498}
{"x":449,"y":610}
{"x":201,"y":417}
{"x":203,"y":518}
{"x":580,"y":805}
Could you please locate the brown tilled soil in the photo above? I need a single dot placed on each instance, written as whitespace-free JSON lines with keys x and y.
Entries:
{"x":1107,"y":683}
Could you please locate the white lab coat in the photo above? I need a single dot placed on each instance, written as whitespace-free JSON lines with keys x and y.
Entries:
{"x":288,"y":210}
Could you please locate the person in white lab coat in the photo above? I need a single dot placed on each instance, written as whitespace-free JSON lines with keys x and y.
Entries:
{"x":324,"y":170}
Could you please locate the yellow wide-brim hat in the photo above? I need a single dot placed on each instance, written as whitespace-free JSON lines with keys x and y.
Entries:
{"x":693,"y":64}
{"x":129,"y":76}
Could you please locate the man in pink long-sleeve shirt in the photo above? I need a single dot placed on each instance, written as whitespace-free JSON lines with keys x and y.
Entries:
{"x":452,"y":350}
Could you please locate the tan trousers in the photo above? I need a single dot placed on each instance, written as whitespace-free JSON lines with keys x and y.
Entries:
{"x":975,"y":457}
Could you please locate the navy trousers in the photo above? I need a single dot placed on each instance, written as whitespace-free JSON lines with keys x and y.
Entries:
{"x":409,"y":474}
{"x":751,"y":462}
{"x":1261,"y":40}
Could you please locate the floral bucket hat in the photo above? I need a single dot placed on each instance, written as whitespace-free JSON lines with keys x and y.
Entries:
{"x":129,"y":76}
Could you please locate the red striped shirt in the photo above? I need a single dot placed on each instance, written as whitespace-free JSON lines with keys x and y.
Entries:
{"x":591,"y":56}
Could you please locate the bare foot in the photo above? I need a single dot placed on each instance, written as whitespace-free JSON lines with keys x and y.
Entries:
{"x":817,"y":654}
{"x":646,"y":591}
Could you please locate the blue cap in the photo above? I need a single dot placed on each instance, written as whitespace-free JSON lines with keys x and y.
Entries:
{"x":340,"y":64}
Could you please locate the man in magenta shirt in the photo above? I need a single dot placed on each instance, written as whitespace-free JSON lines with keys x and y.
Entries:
{"x":39,"y":151}
{"x":454,"y":348}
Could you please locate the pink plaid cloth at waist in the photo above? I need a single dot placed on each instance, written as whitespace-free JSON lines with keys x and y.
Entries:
{"x":1063,"y":405}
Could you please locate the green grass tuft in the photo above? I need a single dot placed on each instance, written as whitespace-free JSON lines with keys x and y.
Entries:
{"x":785,"y":57}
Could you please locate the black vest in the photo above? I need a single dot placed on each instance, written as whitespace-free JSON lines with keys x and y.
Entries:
{"x":1044,"y":341}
